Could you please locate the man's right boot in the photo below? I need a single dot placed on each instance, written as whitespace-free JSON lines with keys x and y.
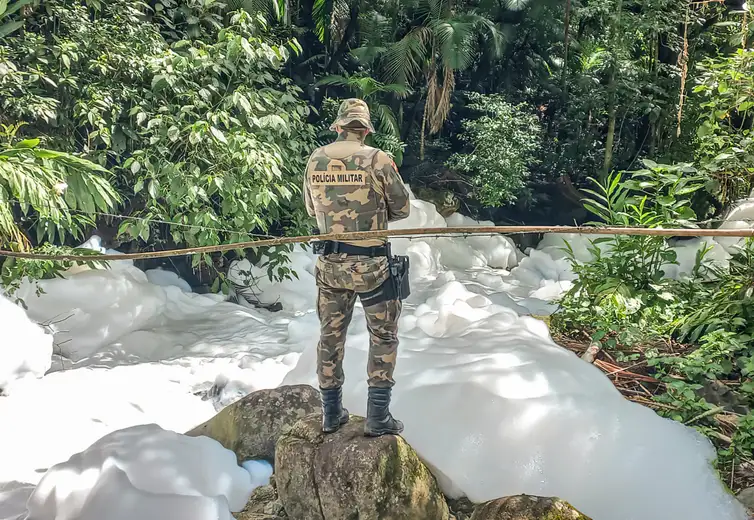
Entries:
{"x":379,"y":421}
{"x":333,"y":413}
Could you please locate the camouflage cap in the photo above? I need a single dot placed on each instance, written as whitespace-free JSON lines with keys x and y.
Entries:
{"x":353,"y":110}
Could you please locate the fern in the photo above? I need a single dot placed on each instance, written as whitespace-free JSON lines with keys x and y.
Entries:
{"x":47,"y":187}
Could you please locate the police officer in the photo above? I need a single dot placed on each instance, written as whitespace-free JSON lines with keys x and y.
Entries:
{"x":352,"y":187}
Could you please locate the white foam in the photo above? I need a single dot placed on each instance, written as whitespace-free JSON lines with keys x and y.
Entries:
{"x":143,"y":472}
{"x":715,"y":255}
{"x":25,"y":350}
{"x":167,"y":278}
{"x":741,"y":216}
{"x":260,"y":471}
{"x":13,"y":497}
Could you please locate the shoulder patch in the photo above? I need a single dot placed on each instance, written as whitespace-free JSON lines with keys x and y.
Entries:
{"x":338,"y":175}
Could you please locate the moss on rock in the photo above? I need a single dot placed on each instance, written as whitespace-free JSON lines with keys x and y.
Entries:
{"x":251,"y":426}
{"x":346,"y":475}
{"x":527,"y":507}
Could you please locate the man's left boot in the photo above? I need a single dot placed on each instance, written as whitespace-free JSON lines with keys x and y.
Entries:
{"x":379,"y":420}
{"x":333,"y":413}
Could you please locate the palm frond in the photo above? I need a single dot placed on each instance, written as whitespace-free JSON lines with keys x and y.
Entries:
{"x":455,"y":40}
{"x":437,"y":9}
{"x":368,"y":53}
{"x":322,"y":13}
{"x":400,"y":91}
{"x":386,"y":120}
{"x":516,"y":5}
{"x":432,"y":92}
{"x":316,"y":58}
{"x":340,"y":19}
{"x":374,"y":29}
{"x":333,"y":80}
{"x":10,"y":234}
{"x":403,"y":58}
{"x":271,"y":9}
{"x":442,"y":101}
{"x":53,"y":184}
{"x":490,"y":30}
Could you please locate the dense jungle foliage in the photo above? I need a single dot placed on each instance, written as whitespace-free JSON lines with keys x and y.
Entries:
{"x":181,"y":123}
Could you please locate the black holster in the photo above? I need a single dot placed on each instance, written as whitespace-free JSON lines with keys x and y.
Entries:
{"x":396,"y":287}
{"x":399,"y":268}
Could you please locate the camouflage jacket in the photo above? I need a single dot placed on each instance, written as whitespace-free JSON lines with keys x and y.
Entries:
{"x":351,"y":187}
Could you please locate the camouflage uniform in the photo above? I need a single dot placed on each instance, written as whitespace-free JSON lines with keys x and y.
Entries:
{"x":351,"y":187}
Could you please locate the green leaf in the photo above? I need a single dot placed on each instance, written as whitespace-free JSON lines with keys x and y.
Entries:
{"x":332,"y":80}
{"x":27,"y":143}
{"x":159,"y":82}
{"x":689,"y":189}
{"x":218,"y":134}
{"x":649,"y":163}
{"x":144,"y":232}
{"x":152,"y":189}
{"x":704,"y":130}
{"x":14,"y":8}
{"x":10,"y":27}
{"x":135,"y":167}
{"x":244,"y":104}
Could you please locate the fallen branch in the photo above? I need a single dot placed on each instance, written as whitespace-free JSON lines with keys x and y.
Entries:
{"x":617,"y":371}
{"x":724,"y":438}
{"x":713,"y":411}
{"x":651,"y":404}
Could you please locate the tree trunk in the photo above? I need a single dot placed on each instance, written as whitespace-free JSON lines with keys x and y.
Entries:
{"x":566,"y":42}
{"x":611,"y":113}
{"x":423,"y":130}
{"x":654,"y":68}
{"x":406,"y":125}
{"x":611,"y":88}
{"x":343,"y":46}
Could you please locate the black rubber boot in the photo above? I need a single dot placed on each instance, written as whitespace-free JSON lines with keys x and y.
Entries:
{"x":379,"y":421}
{"x":333,"y":413}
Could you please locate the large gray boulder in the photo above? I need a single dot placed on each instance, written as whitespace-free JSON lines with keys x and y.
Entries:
{"x":251,"y":426}
{"x":344,"y":475}
{"x":527,"y":507}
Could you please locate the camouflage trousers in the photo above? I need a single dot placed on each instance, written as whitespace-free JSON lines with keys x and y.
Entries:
{"x":339,"y":282}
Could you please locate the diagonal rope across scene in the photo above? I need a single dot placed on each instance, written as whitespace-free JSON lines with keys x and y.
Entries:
{"x":396,"y":233}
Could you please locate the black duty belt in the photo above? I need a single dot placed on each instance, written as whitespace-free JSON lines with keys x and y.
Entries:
{"x":331,"y":247}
